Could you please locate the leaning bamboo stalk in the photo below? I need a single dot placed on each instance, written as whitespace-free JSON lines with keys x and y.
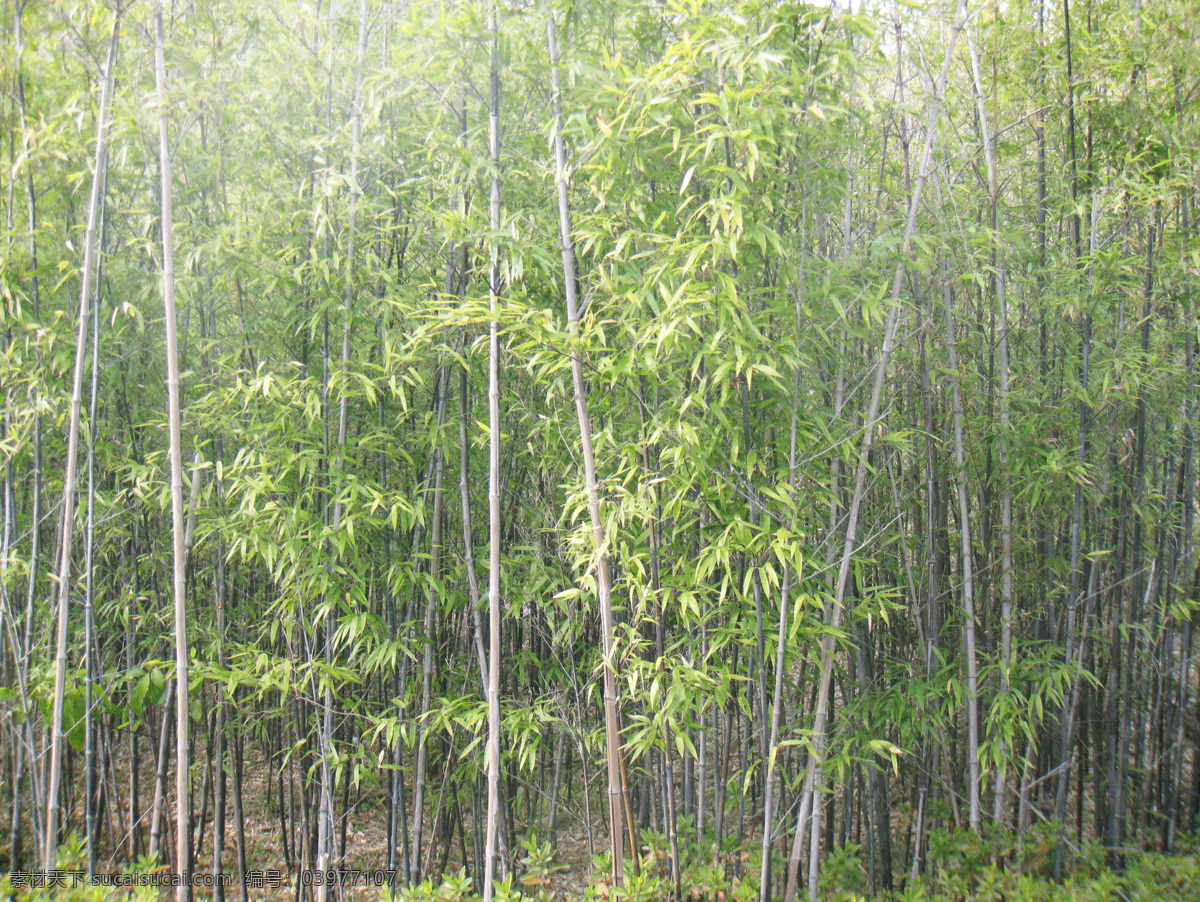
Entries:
{"x":821,"y":711}
{"x":182,"y":776}
{"x":616,"y":783}
{"x":50,"y":848}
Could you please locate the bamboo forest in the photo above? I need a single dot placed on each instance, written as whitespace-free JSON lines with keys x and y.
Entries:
{"x":599,"y":450}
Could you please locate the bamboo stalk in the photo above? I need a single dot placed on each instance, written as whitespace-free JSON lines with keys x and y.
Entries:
{"x":821,"y":712}
{"x":493,"y":689}
{"x":967,"y":570}
{"x":183,"y":844}
{"x":617,"y":792}
{"x":50,"y":848}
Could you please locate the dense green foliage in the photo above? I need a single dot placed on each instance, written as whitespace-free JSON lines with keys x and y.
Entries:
{"x":739,"y":182}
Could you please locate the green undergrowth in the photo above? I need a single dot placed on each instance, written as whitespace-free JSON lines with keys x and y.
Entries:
{"x":961,"y":867}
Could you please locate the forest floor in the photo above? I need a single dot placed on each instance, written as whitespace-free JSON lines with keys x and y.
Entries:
{"x":267,"y":858}
{"x":567,"y":876}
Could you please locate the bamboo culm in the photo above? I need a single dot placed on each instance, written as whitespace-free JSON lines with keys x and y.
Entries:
{"x":50,"y":847}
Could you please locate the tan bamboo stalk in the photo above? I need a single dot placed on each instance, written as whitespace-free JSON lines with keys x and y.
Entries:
{"x":50,"y":847}
{"x":182,"y":777}
{"x":616,"y":782}
{"x":493,"y":688}
{"x":821,"y":712}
